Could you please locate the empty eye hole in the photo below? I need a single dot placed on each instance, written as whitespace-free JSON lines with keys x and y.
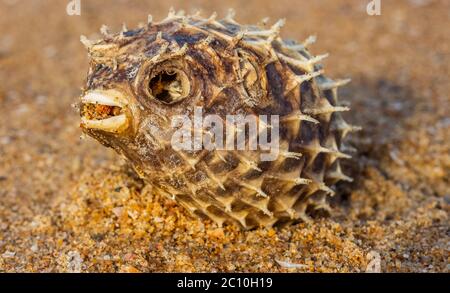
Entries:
{"x":169,"y":86}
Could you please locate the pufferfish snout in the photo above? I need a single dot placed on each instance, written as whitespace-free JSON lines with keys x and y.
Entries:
{"x":140,"y":79}
{"x":104,"y":110}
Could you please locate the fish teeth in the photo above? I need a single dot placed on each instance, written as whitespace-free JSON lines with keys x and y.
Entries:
{"x":108,"y":98}
{"x":114,"y":124}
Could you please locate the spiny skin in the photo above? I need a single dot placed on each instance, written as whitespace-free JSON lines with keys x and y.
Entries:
{"x":226,"y":68}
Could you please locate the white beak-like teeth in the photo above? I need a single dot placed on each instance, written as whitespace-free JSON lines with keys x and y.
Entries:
{"x":111,"y":98}
{"x":114,"y":124}
{"x":108,"y":98}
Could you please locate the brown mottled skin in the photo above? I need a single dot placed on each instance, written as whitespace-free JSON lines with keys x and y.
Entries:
{"x":225,"y":68}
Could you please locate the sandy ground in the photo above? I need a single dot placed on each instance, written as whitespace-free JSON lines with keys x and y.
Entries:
{"x":70,"y":205}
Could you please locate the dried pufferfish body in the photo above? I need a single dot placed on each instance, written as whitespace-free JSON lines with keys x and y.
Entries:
{"x":140,"y":78}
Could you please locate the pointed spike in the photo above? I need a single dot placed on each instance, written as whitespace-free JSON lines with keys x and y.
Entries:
{"x":159,"y":36}
{"x":115,"y":63}
{"x":264,"y":21}
{"x":212,"y":20}
{"x":326,"y":110}
{"x":124,"y":28}
{"x":218,"y":220}
{"x":296,"y":181}
{"x":182,"y":51}
{"x":341,"y":155}
{"x":161,"y":51}
{"x":211,"y":175}
{"x":297,"y":63}
{"x":222,"y":36}
{"x":230,"y":15}
{"x":251,"y":187}
{"x":260,"y":205}
{"x":218,"y":25}
{"x":345,"y":128}
{"x":240,"y":217}
{"x":265,"y":47}
{"x":339,"y":175}
{"x":292,"y":155}
{"x":222,"y":158}
{"x":325,"y":150}
{"x":174,"y":46}
{"x":354,"y":128}
{"x":238,"y":38}
{"x":302,"y":181}
{"x":150,"y":19}
{"x":185,"y":21}
{"x":303,"y":46}
{"x":328,"y":85}
{"x":267,"y":212}
{"x":263,"y":125}
{"x":334,"y":152}
{"x":306,"y":77}
{"x":315,"y":148}
{"x":253,"y":165}
{"x":348,"y":148}
{"x":104,"y":30}
{"x":278,"y":25}
{"x":271,"y":34}
{"x":272,"y":38}
{"x":291,"y":213}
{"x":163,"y":48}
{"x":318,"y":58}
{"x":171,"y":13}
{"x":299,"y":117}
{"x":294,"y":47}
{"x":346,"y":178}
{"x":298,"y":80}
{"x":213,"y":17}
{"x":86,"y":42}
{"x":322,"y":186}
{"x":306,"y":65}
{"x":309,"y":41}
{"x":197,"y":13}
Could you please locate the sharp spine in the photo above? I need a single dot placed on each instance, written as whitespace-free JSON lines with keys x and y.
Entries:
{"x":306,"y":77}
{"x":328,"y":85}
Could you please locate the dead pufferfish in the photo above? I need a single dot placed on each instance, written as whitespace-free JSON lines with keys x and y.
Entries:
{"x":138,"y":79}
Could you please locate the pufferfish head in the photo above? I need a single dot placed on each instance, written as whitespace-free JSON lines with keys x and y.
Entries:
{"x":139,"y":79}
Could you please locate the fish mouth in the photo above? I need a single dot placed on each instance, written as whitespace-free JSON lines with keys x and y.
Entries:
{"x":104,"y":110}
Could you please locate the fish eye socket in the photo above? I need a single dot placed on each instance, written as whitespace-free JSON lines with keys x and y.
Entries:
{"x":169,"y":86}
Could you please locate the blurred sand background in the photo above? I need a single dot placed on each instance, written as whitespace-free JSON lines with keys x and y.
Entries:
{"x":70,"y":205}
